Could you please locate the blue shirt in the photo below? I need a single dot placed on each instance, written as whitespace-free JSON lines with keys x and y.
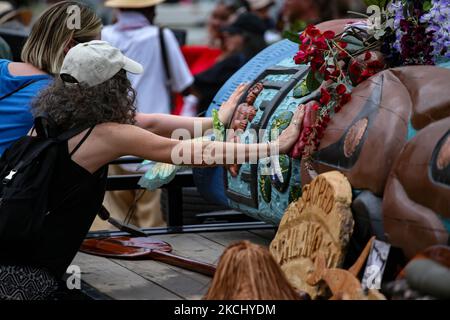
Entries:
{"x":15,"y":111}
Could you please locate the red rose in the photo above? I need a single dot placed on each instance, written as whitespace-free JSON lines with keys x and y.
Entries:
{"x":366,"y":73}
{"x":367,"y":56}
{"x":321,"y":43}
{"x":341,"y":89}
{"x":300,"y":57}
{"x":325,"y":96}
{"x":345,"y":98}
{"x":329,"y":34}
{"x":312,"y":31}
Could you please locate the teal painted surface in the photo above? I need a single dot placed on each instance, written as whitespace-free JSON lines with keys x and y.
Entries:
{"x":445,"y":222}
{"x":273,"y":210}
{"x":411,"y":131}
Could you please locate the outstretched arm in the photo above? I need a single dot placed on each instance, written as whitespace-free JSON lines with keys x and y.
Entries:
{"x":110,"y":141}
{"x":131,"y":140}
{"x":164,"y":125}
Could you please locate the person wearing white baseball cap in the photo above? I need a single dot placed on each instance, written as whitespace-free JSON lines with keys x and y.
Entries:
{"x":95,"y":62}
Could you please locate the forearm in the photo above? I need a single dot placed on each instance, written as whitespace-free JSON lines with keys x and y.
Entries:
{"x":144,"y":144}
{"x":165,"y":125}
{"x":209,"y":153}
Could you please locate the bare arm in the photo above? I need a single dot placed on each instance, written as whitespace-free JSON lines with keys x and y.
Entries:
{"x":131,"y":140}
{"x":141,"y":143}
{"x":164,"y":125}
{"x":110,"y":141}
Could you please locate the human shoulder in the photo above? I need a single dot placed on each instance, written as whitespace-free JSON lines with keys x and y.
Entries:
{"x":116,"y":131}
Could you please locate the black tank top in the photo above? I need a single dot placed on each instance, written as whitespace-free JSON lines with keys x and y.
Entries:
{"x":76,"y":196}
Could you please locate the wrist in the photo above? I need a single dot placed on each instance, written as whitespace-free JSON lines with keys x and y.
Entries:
{"x":274,"y":148}
{"x":221,"y":117}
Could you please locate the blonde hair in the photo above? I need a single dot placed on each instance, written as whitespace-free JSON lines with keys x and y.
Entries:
{"x":50,"y":35}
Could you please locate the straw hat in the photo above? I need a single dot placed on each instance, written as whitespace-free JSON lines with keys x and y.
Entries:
{"x":136,"y":4}
{"x":5,"y":7}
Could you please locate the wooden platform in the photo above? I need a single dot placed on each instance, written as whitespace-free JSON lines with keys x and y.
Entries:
{"x":147,"y":280}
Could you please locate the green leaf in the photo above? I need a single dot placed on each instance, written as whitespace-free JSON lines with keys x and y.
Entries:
{"x":301,"y":90}
{"x":353,"y":44}
{"x":427,"y":6}
{"x":292,"y":36}
{"x":311,"y":82}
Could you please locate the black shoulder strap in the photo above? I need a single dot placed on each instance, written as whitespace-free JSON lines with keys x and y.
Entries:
{"x":166,"y":66}
{"x":73,"y":132}
{"x":26,"y":84}
{"x":88,"y":133}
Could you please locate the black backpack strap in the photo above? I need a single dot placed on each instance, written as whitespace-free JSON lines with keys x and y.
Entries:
{"x":88,"y":133}
{"x":45,"y":126}
{"x":49,"y":141}
{"x":26,"y":84}
{"x":166,"y":67}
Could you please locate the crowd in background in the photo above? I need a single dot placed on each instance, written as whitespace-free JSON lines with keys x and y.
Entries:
{"x":230,"y":42}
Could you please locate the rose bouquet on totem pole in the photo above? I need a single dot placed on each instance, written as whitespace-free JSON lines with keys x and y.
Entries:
{"x":399,"y":33}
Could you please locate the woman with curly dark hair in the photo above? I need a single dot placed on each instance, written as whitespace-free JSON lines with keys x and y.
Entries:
{"x":93,"y":91}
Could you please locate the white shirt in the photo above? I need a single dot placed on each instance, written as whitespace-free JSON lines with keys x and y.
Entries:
{"x":139,"y":40}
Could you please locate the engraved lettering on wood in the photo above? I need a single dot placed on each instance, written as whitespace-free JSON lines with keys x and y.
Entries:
{"x":320,"y":221}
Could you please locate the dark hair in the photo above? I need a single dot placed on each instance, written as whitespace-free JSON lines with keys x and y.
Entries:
{"x":72,"y":105}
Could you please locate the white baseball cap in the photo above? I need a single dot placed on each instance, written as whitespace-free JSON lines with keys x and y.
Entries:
{"x":95,"y":62}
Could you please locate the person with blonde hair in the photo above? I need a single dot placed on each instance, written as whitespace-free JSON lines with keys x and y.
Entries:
{"x":50,"y":39}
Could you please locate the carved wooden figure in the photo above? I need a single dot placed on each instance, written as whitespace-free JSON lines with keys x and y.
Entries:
{"x":319,"y":222}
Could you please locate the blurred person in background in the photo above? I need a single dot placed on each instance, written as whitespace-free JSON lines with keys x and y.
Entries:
{"x":5,"y":50}
{"x":137,"y":37}
{"x":223,"y":14}
{"x":261,"y":8}
{"x":243,"y":39}
{"x":135,"y":34}
{"x":264,"y":10}
{"x":42,"y":57}
{"x":202,"y":58}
